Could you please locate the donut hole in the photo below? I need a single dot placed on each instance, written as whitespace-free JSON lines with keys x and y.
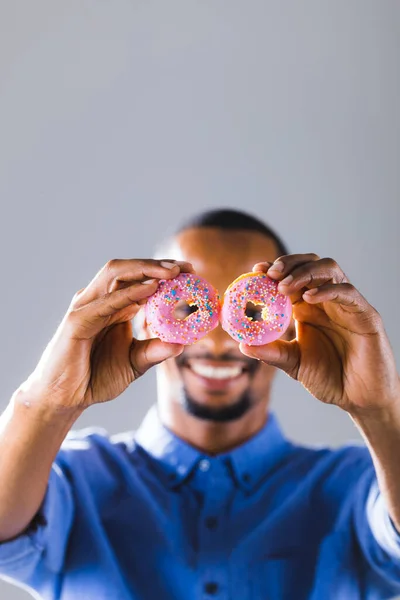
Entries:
{"x":256,"y":312}
{"x":183,"y":309}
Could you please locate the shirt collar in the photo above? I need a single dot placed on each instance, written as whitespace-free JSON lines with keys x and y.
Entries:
{"x":249,"y":462}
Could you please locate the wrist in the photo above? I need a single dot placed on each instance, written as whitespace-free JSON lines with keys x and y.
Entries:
{"x":384,"y":409}
{"x":38,"y":406}
{"x":378,"y":421}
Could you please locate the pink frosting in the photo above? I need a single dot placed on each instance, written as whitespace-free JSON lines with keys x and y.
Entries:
{"x":161,"y":305}
{"x":259,"y":289}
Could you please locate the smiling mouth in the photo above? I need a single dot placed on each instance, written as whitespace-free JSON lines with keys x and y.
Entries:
{"x":218,"y":373}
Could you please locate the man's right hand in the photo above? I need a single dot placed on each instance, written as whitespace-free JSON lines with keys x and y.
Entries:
{"x":93,"y":357}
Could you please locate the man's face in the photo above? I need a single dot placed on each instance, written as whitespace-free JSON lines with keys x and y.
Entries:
{"x":212,"y":379}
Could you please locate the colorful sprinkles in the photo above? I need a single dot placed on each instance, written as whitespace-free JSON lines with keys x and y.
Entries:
{"x":195,"y":291}
{"x":261,"y":290}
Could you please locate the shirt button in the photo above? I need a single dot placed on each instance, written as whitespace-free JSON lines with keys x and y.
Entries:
{"x":211,"y":588}
{"x":204,"y":464}
{"x":211,"y":522}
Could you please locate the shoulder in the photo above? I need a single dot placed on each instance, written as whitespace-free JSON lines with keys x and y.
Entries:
{"x":328,"y":465}
{"x":92,"y":437}
{"x":98,"y":438}
{"x":337,"y":478}
{"x":93,"y":450}
{"x":97,"y":464}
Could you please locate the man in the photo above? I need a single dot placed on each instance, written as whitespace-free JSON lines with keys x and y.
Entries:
{"x":207,"y":499}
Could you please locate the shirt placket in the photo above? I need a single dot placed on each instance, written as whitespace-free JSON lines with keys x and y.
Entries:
{"x":213,"y":557}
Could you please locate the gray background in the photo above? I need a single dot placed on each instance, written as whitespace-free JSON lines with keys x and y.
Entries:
{"x":119,"y":118}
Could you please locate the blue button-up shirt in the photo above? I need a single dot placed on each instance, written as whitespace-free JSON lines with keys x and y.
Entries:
{"x":146,"y":516}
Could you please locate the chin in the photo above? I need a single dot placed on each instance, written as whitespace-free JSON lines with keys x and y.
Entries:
{"x":213,"y":409}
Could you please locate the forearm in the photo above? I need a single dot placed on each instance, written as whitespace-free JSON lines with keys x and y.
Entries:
{"x":30,"y":436}
{"x":381,"y":431}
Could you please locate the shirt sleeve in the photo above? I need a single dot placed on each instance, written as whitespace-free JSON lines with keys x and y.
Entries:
{"x":350,"y":492}
{"x":381,"y":525}
{"x":376,"y":537}
{"x":42,"y":545}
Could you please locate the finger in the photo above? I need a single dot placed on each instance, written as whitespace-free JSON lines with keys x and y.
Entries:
{"x":311,"y":275}
{"x":345,"y":294}
{"x":126,"y":271}
{"x":122,"y":281}
{"x":147,"y":353}
{"x":262,"y":267}
{"x":119,"y":271}
{"x":88,"y":320}
{"x":285,"y":264}
{"x":349,"y":308}
{"x":185,"y":267}
{"x":281,"y":354}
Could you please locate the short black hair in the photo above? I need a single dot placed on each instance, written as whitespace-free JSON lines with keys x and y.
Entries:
{"x":230,"y":219}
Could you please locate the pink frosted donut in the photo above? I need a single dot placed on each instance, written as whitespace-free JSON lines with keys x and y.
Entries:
{"x":262,"y":291}
{"x":195,"y":291}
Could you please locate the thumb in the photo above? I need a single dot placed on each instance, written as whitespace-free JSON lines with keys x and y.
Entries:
{"x":148,"y":353}
{"x":281,"y":354}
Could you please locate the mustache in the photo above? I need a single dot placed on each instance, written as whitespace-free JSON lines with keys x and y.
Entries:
{"x":250,"y":364}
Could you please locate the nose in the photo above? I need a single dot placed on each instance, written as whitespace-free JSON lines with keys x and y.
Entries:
{"x":218,"y":342}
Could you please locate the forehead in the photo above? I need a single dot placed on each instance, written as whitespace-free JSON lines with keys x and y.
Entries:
{"x":220,"y":256}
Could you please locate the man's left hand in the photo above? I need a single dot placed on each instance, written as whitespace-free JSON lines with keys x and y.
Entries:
{"x":341,"y":353}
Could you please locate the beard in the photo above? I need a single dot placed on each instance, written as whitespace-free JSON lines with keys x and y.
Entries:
{"x":217,"y":414}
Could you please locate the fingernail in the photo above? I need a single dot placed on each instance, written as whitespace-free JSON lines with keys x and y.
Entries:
{"x":185,"y":265}
{"x":278,"y":266}
{"x":311,"y":292}
{"x":287,"y":280}
{"x":167,"y":265}
{"x":148,"y":281}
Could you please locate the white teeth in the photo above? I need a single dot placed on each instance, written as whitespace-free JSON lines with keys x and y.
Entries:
{"x":216,"y":372}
